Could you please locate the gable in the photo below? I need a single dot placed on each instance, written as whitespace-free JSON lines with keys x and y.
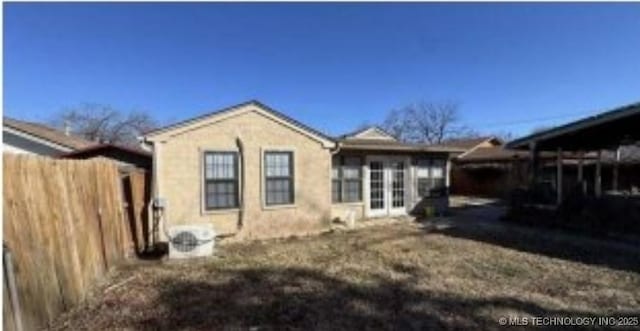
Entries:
{"x":239,"y":110}
{"x":373,"y":133}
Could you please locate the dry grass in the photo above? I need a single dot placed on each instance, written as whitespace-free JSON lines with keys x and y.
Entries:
{"x":392,"y":277}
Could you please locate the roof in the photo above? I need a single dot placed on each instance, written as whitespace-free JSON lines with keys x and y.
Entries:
{"x":228,"y":110}
{"x":104,"y":147}
{"x":122,"y":154}
{"x":468,"y":143}
{"x":47,"y":133}
{"x":605,"y":130}
{"x":493,"y":154}
{"x":390,"y":145}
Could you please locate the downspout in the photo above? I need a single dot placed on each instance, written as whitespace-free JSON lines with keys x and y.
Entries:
{"x":241,"y":212}
{"x":335,"y":150}
{"x":153,"y":214}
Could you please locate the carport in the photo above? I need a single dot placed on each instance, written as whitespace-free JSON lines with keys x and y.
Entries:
{"x":605,"y":133}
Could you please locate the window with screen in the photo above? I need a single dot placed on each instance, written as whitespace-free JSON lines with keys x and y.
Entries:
{"x":424,"y":180}
{"x":437,"y":174}
{"x":346,"y":181}
{"x":220,"y":180}
{"x":278,"y":170}
{"x":430,"y":175}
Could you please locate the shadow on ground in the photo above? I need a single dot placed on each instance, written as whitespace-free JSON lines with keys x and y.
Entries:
{"x":484,"y":224}
{"x":276,"y":299}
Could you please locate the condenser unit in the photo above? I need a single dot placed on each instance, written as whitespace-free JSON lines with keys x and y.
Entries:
{"x":187,"y":241}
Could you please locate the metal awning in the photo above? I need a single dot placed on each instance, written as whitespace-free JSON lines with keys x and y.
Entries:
{"x":603,"y":131}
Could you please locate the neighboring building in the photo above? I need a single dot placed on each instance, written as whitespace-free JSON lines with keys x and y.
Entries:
{"x":124,"y":156}
{"x":486,"y":168}
{"x":34,"y":138}
{"x":468,"y":145}
{"x":254,"y":172}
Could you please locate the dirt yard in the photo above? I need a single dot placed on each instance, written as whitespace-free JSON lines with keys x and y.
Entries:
{"x":458,"y":275}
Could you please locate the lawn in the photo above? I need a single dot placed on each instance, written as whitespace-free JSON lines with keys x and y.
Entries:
{"x":403,"y":276}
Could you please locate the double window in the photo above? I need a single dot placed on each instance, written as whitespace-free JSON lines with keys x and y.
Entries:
{"x":346,"y":179}
{"x":221,"y":180}
{"x":430,"y":177}
{"x":279,"y":180}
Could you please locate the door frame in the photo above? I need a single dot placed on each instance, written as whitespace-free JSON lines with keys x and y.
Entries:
{"x":388,"y":210}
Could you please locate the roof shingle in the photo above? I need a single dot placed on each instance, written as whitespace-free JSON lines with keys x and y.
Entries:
{"x":47,"y":133}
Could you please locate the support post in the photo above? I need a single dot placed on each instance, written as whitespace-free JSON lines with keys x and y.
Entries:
{"x":598,"y":176}
{"x":614,"y":179}
{"x":559,"y":177}
{"x":533,"y":161}
{"x":581,"y":181}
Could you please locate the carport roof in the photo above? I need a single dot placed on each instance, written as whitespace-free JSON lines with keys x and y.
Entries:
{"x":606,"y":130}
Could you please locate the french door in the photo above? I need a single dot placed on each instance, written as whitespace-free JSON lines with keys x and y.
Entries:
{"x":387,"y":179}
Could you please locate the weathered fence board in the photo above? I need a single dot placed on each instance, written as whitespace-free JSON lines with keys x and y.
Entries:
{"x":136,"y":194}
{"x":65,"y":225}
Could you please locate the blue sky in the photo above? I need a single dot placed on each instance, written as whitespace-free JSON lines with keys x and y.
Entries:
{"x":332,"y":66}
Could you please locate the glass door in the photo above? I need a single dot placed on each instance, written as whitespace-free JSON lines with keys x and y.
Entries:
{"x":387,"y":186}
{"x":377,"y":199}
{"x":396,"y":170}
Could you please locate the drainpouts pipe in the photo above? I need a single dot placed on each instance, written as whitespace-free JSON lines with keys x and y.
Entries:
{"x":242,"y":182}
{"x":335,"y":150}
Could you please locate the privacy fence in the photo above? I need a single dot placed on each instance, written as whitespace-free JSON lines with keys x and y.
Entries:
{"x":66,"y":223}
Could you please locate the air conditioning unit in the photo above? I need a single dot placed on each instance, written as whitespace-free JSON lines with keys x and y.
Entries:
{"x":187,"y":241}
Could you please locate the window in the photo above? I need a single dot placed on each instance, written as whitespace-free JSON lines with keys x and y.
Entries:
{"x":437,"y":174}
{"x":336,"y":182}
{"x":346,"y":181}
{"x":220,"y":180}
{"x":424,"y":181}
{"x":430,"y":177}
{"x":278,"y":170}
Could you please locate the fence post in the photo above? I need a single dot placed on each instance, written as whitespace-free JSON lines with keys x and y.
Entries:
{"x":13,"y":289}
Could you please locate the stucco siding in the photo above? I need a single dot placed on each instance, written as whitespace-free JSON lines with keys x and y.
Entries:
{"x":180,"y":177}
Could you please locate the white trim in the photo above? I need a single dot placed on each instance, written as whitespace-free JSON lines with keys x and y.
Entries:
{"x":263,"y":186}
{"x":36,"y":139}
{"x":243,"y":109}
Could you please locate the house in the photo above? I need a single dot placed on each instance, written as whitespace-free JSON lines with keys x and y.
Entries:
{"x":254,"y":172}
{"x":125,"y":157}
{"x":34,"y":138}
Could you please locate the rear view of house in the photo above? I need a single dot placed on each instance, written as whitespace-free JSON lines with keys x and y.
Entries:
{"x":253,"y":172}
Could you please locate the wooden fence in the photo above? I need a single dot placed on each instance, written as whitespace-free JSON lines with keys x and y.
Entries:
{"x":137,"y":191}
{"x":65,"y":225}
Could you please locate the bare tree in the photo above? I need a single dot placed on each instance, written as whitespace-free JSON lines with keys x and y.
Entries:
{"x":105,"y":124}
{"x":505,"y":136}
{"x":426,"y":123}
